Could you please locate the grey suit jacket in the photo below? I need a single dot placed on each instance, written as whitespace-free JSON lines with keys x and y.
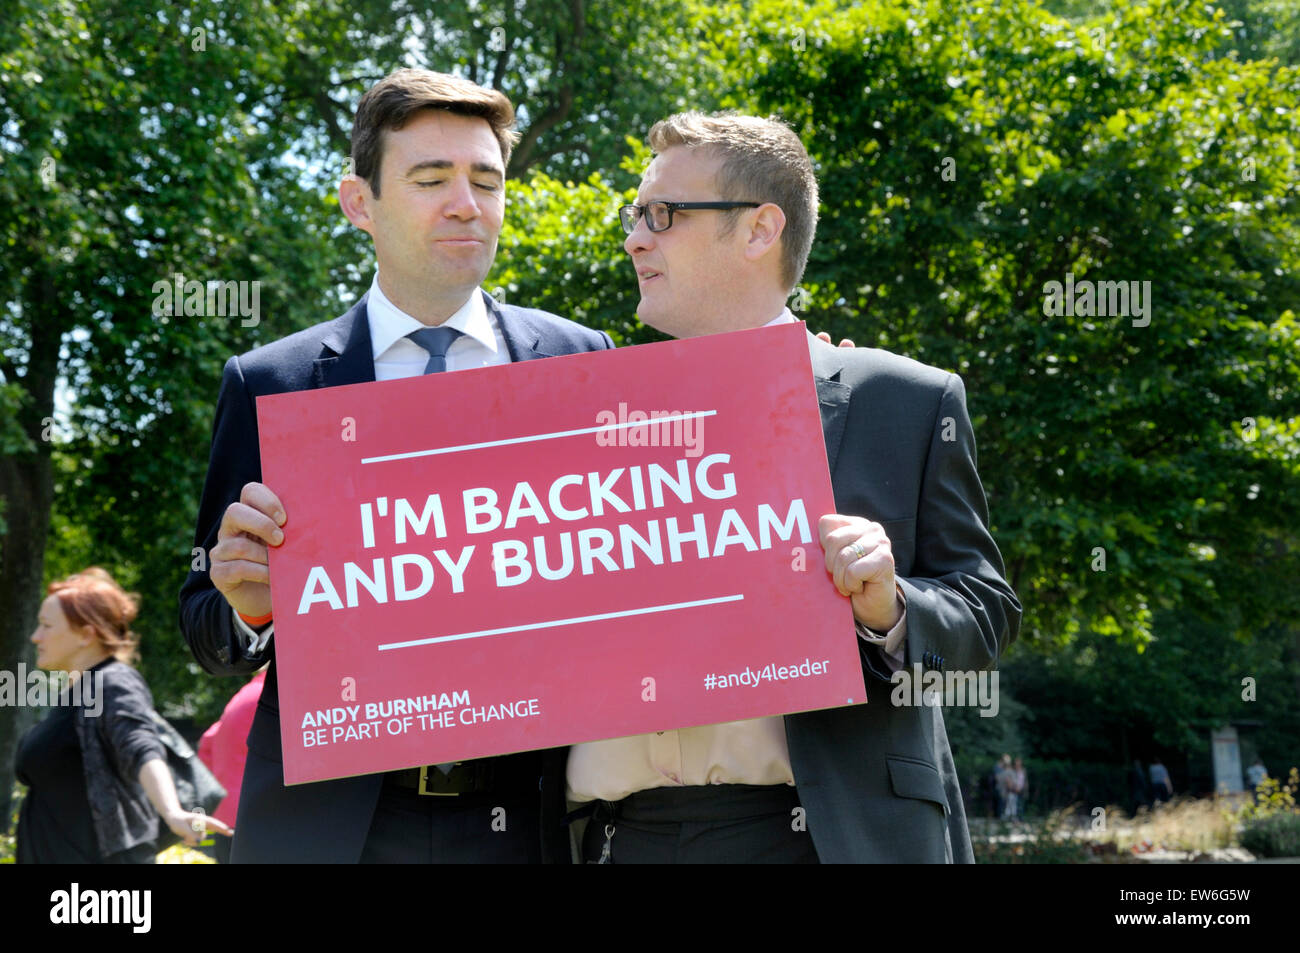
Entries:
{"x":877,"y":781}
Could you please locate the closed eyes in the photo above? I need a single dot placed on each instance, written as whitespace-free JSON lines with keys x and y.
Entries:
{"x":485,"y":186}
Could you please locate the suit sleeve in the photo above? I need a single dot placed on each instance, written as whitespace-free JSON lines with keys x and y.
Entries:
{"x":961,"y":612}
{"x":206,"y":619}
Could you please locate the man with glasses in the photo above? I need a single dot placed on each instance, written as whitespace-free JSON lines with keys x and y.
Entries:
{"x":719,"y":237}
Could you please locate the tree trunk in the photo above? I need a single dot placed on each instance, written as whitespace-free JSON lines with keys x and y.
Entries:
{"x":27,"y":485}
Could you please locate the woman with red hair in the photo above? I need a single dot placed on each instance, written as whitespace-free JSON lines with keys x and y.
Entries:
{"x":96,"y":772}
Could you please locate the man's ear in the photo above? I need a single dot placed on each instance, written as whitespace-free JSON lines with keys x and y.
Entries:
{"x":765,"y":230}
{"x":355,"y":198}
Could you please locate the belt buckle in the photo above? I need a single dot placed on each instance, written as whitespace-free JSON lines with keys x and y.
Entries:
{"x":440,"y":778}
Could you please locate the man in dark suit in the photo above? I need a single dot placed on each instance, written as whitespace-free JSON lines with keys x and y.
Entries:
{"x":429,"y":154}
{"x":719,"y":238}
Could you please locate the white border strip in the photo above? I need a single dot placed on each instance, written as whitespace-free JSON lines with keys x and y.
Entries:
{"x":573,"y":621}
{"x":541,"y":436}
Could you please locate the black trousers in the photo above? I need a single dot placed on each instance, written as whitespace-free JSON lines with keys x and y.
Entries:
{"x":709,"y":824}
{"x":502,"y":826}
{"x":221,"y":848}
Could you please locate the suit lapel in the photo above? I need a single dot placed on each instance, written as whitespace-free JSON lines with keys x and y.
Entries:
{"x":832,"y":396}
{"x":523,"y":340}
{"x":346,"y":356}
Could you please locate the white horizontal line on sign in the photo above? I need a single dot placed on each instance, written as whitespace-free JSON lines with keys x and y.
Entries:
{"x":532,"y":438}
{"x":669,"y":607}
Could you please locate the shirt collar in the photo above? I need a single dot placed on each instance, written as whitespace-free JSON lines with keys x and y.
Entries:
{"x":389,"y":324}
{"x":785,"y":317}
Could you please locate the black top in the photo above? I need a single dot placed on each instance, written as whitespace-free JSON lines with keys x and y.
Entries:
{"x":55,"y":825}
{"x":80,"y":808}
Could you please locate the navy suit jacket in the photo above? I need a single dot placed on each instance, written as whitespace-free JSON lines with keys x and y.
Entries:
{"x":327,"y":821}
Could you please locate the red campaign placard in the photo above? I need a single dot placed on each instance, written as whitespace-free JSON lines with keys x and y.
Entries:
{"x":550,"y":552}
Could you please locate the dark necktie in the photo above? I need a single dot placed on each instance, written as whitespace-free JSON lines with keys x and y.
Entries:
{"x":436,"y":341}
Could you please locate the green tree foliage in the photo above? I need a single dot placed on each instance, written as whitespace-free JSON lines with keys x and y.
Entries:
{"x":562,"y":251}
{"x":970,"y":156}
{"x":135,"y":147}
{"x":1189,"y":681}
{"x":581,"y":74}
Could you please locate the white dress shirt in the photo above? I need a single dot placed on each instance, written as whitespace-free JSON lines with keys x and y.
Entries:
{"x":479,"y":345}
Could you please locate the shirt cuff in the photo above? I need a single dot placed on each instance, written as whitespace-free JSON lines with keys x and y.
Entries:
{"x":891,"y":643}
{"x":254,"y":641}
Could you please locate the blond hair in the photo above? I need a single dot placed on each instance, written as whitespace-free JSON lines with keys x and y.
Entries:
{"x":762,"y":161}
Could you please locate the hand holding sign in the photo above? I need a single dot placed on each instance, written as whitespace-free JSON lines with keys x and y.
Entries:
{"x":844,"y":342}
{"x":859,"y":559}
{"x":239,"y":560}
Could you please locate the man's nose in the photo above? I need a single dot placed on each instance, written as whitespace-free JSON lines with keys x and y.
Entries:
{"x":462,"y":203}
{"x":641,"y":239}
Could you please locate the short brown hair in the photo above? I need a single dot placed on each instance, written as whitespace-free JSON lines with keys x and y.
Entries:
{"x":93,"y":599}
{"x":391,"y":102}
{"x":762,"y":161}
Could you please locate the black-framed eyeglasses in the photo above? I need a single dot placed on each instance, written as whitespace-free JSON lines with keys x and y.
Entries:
{"x":659,"y":215}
